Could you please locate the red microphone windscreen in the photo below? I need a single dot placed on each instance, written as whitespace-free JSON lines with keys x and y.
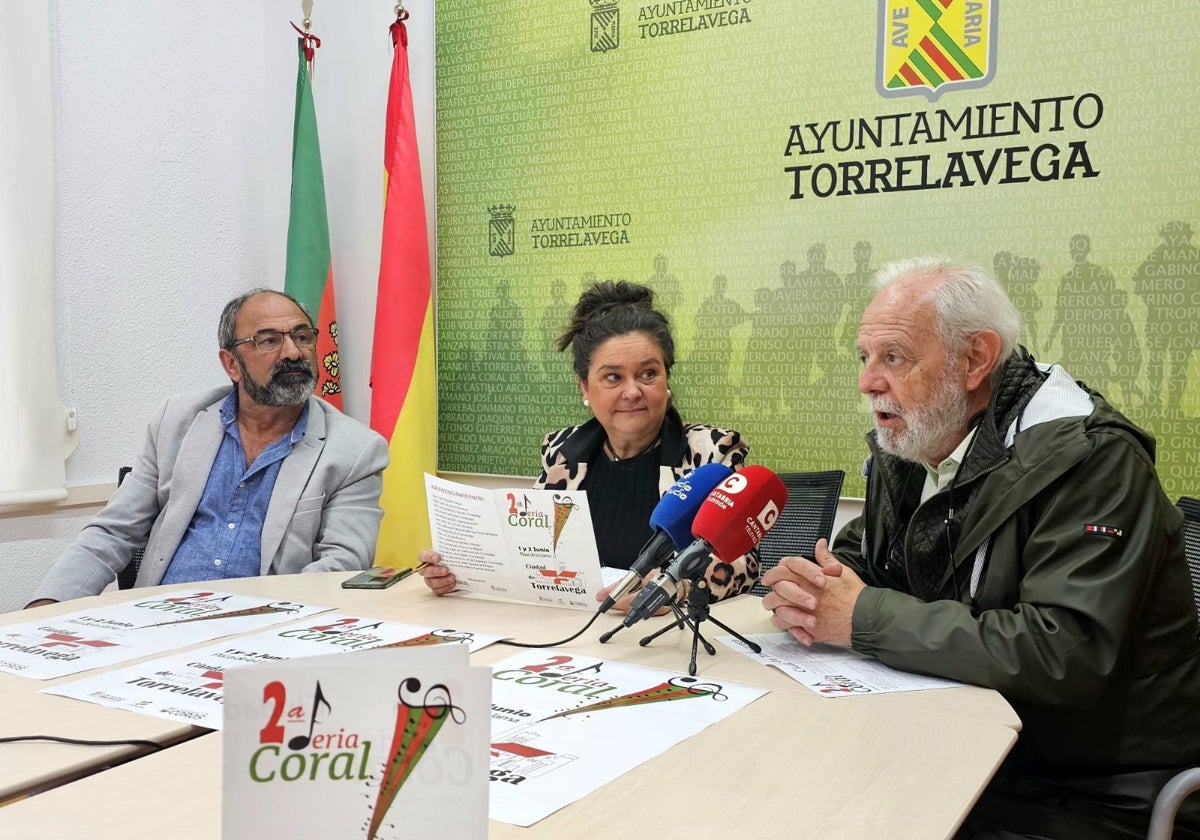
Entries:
{"x":739,"y":511}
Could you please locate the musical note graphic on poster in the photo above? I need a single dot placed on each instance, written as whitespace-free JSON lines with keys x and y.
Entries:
{"x":434,"y":637}
{"x":417,"y":724}
{"x":676,"y":688}
{"x":562,"y":510}
{"x":266,"y":609}
{"x":302,"y":741}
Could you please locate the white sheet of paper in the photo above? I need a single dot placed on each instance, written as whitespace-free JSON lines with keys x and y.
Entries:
{"x":830,"y":671}
{"x":381,"y":745}
{"x":610,"y":575}
{"x":73,"y":642}
{"x":527,"y":545}
{"x":554,"y":717}
{"x":189,"y":687}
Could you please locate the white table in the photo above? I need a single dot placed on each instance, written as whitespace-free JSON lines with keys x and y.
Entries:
{"x":792,"y":764}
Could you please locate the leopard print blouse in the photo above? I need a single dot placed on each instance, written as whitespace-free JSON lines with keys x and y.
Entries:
{"x":566,"y":452}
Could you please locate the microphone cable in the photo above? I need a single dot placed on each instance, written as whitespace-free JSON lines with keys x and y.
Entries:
{"x":572,"y":638}
{"x":79,"y":742}
{"x":951,"y":538}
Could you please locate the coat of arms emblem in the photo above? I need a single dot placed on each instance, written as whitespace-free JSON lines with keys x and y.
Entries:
{"x":927,"y":47}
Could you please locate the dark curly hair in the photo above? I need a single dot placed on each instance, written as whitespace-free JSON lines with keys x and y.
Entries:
{"x":609,"y":309}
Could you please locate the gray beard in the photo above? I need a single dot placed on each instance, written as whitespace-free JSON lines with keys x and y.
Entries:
{"x":928,"y":429}
{"x":276,"y":393}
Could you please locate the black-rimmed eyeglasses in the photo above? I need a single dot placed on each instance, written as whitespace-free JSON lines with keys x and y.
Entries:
{"x":267,"y":341}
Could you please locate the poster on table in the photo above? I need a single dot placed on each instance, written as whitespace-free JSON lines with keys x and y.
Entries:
{"x":831,"y":671}
{"x":105,"y":635}
{"x":189,"y":687}
{"x":523,"y":544}
{"x":382,"y":745}
{"x":554,"y":716}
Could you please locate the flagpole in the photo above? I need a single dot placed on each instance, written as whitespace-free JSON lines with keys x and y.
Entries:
{"x":308,"y":276}
{"x":403,"y":373}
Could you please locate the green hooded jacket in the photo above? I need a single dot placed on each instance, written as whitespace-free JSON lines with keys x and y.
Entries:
{"x":1068,"y":591}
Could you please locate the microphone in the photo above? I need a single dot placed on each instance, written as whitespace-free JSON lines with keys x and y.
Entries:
{"x":672,"y":524}
{"x":732,"y":520}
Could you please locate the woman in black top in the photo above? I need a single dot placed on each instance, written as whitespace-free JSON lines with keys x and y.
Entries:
{"x":636,"y":445}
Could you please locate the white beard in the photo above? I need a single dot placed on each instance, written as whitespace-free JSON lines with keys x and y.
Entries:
{"x":930,"y":430}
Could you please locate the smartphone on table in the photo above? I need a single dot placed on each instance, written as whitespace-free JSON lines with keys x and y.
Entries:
{"x":378,"y":577}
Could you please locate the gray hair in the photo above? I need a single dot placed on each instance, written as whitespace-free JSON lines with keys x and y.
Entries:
{"x":227,"y":326}
{"x":969,"y":300}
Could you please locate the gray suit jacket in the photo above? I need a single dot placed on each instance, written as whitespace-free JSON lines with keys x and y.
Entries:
{"x":323,"y":515}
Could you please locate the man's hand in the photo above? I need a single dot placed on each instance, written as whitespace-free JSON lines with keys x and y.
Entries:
{"x":41,"y":602}
{"x":436,"y":576}
{"x":814,"y":602}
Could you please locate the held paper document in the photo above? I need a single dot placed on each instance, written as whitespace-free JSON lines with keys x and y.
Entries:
{"x":528,"y":545}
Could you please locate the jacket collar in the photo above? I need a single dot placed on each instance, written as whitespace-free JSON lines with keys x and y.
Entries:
{"x":1018,"y":382}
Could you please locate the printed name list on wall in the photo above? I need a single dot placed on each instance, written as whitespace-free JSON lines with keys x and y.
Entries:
{"x":754,"y":162}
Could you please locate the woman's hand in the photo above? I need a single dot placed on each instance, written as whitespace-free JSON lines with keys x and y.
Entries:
{"x":436,"y":576}
{"x":622,"y":604}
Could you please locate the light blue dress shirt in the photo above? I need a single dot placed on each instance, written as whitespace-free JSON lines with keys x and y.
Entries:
{"x":224,"y":538}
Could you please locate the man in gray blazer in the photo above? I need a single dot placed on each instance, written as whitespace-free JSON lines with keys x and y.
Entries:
{"x":260,"y":478}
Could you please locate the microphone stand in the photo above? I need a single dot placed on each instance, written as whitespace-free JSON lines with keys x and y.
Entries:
{"x":697,"y":613}
{"x":680,"y":620}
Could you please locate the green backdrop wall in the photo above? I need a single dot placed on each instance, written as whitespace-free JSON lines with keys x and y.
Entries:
{"x":754,"y":160}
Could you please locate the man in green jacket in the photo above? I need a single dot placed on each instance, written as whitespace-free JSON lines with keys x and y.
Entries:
{"x":1014,"y":536}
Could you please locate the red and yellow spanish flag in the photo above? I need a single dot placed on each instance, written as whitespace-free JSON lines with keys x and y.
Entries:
{"x":309,"y":273}
{"x":403,"y":374}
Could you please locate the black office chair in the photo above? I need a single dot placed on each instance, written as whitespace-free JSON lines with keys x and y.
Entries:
{"x":128,"y":576}
{"x":1166,"y":805}
{"x":807,"y":517}
{"x":1191,"y":545}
